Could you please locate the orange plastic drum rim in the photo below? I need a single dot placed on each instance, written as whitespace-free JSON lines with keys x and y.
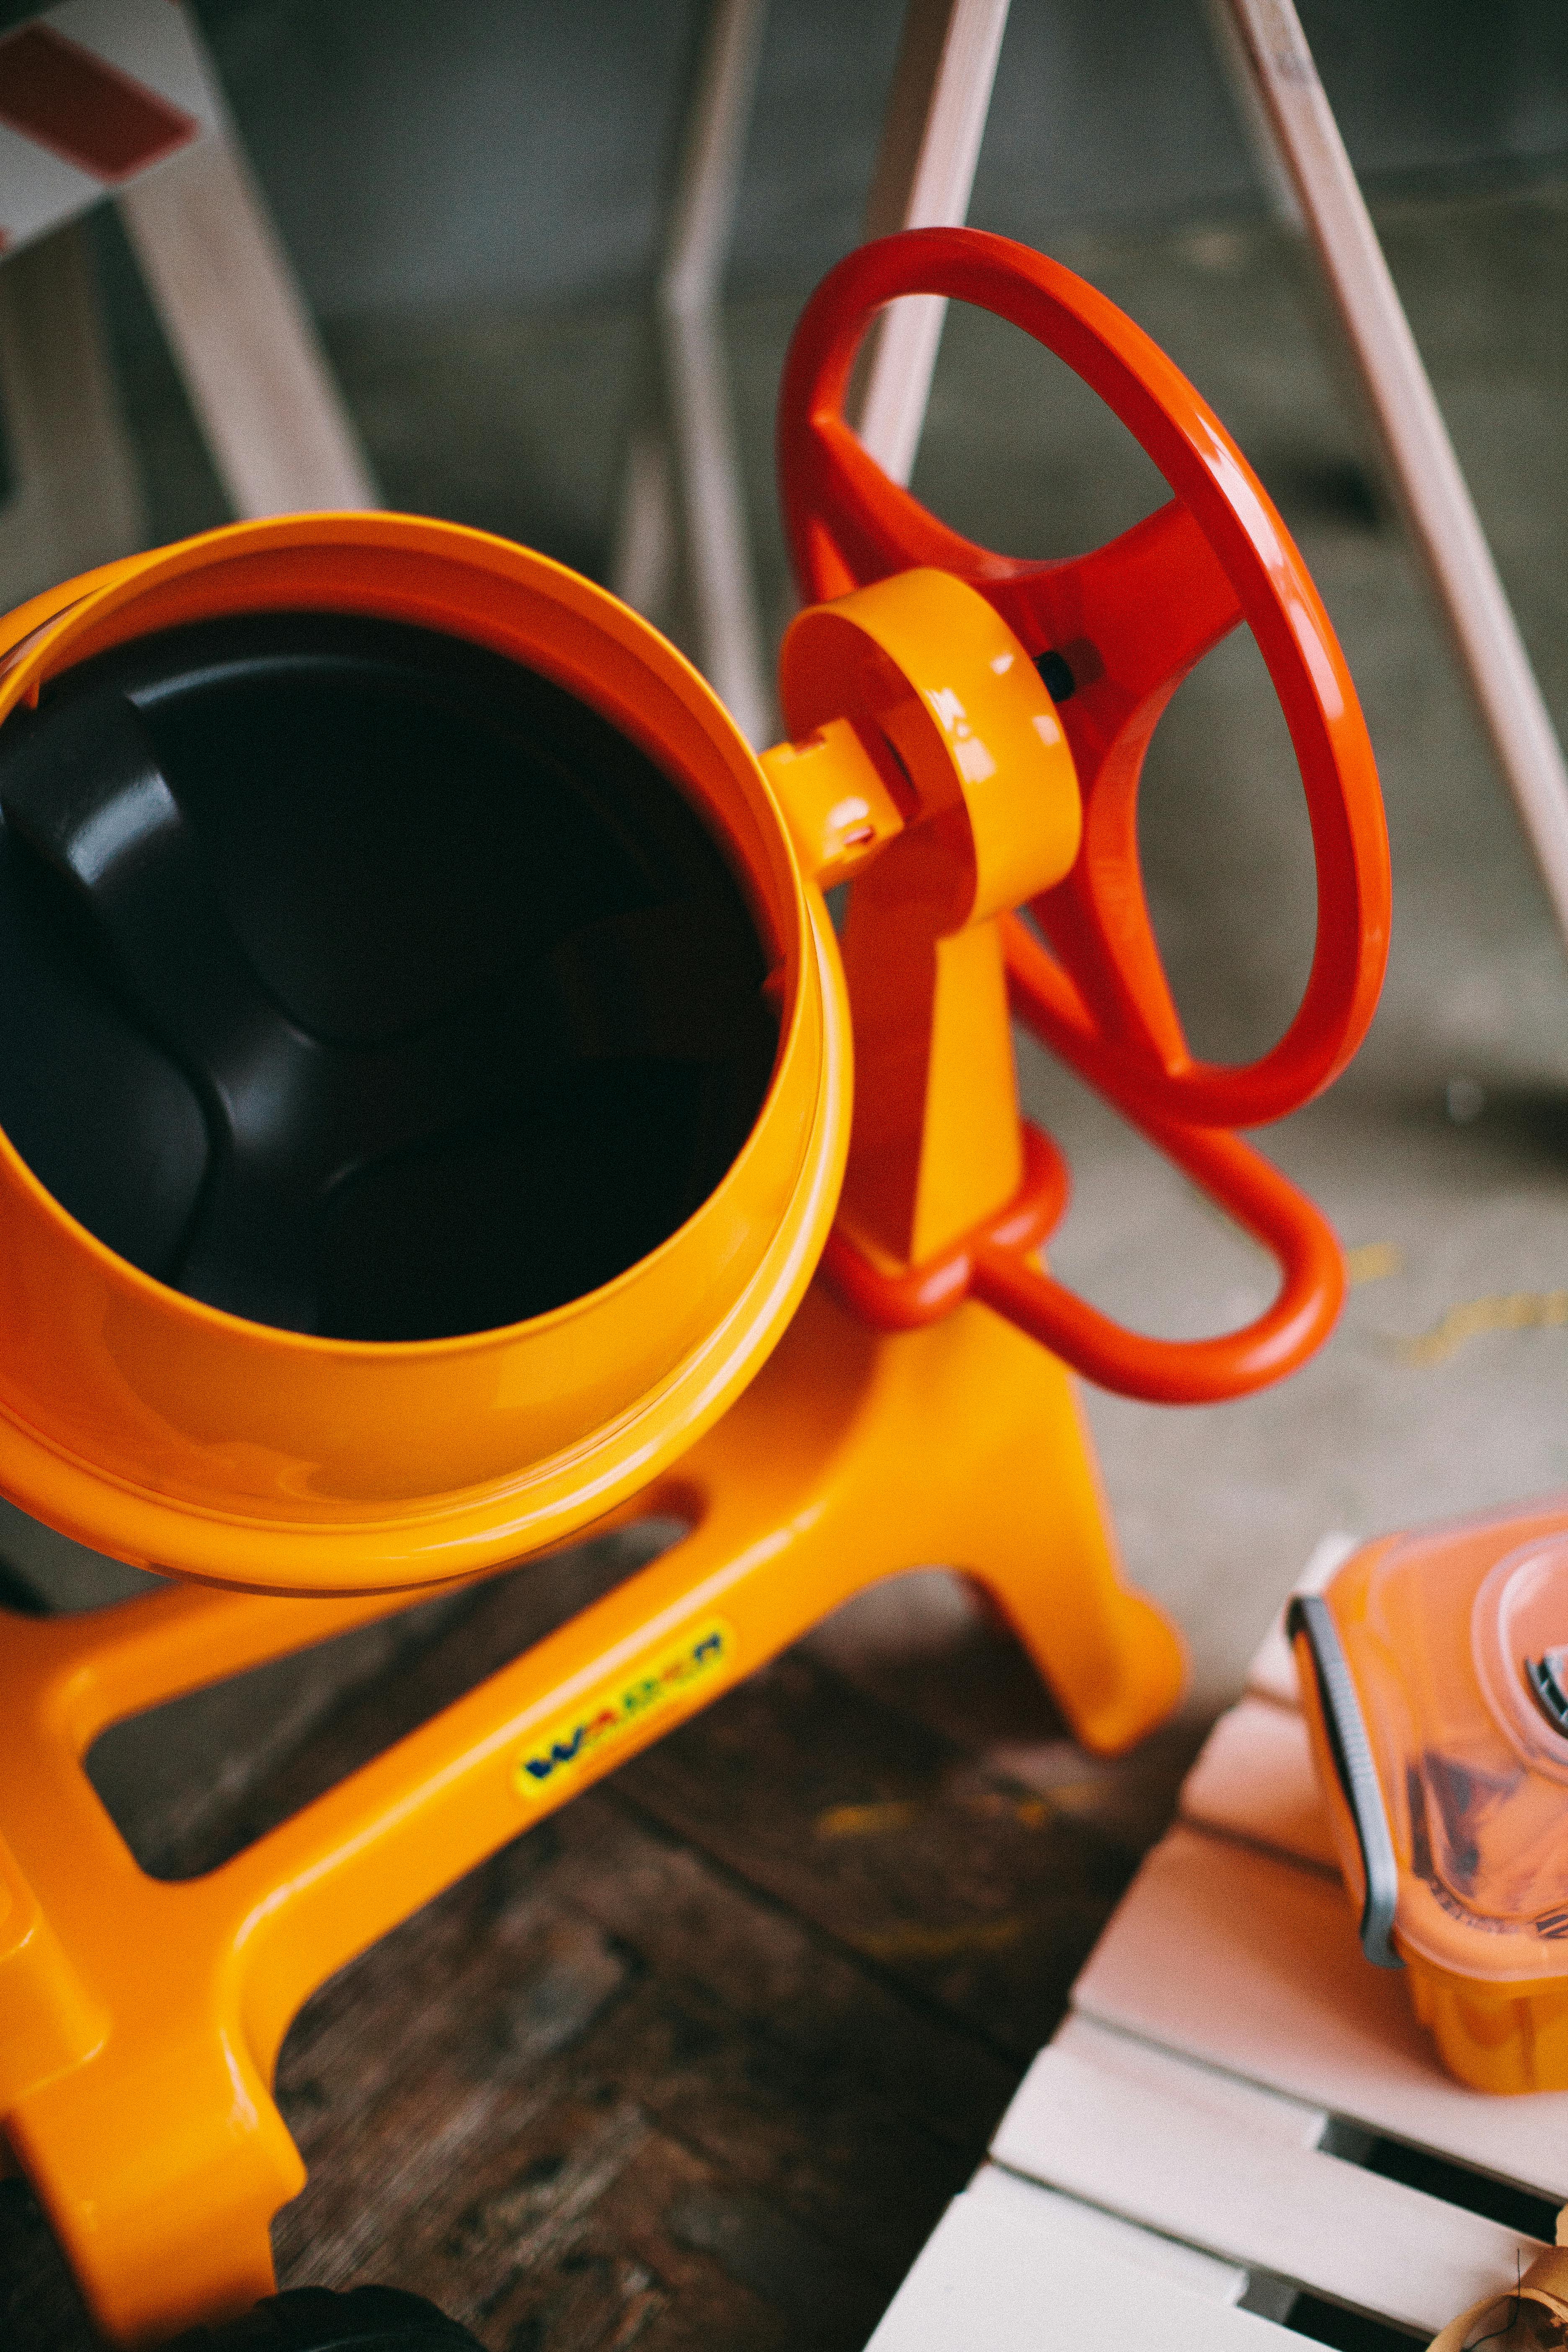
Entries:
{"x":164,"y":1431}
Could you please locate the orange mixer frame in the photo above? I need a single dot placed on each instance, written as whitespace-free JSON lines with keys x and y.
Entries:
{"x":814,"y":1421}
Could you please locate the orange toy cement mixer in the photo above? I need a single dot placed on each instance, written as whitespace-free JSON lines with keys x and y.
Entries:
{"x":439,"y":1121}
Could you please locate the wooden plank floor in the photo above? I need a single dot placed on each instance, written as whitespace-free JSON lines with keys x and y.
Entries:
{"x":698,"y":2062}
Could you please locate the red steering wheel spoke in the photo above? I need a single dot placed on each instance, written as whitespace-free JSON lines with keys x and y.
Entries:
{"x":1127,"y":621}
{"x":1122,"y":627}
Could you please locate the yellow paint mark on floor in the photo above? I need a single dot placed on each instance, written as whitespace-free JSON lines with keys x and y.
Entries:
{"x":1513,"y":1310}
{"x":1080,"y":1796}
{"x":1372,"y":1261}
{"x":866,"y":1820}
{"x":911,"y":1943}
{"x":899,"y":1813}
{"x":1032,"y":1813}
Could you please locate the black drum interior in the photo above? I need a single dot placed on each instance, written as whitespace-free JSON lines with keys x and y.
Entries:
{"x":361,"y":982}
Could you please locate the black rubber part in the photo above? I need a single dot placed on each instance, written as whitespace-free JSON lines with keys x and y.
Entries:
{"x":1056,"y":677}
{"x":317,"y":2319}
{"x":1356,"y":1770}
{"x":360,"y":981}
{"x":1543,"y":1676}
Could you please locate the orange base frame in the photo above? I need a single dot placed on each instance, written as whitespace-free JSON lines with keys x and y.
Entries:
{"x":855,"y":1454}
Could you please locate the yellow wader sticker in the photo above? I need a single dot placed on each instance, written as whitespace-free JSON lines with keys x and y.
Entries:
{"x":560,"y":1753}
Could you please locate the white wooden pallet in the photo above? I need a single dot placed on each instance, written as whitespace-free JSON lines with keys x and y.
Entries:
{"x":1180,"y":2163}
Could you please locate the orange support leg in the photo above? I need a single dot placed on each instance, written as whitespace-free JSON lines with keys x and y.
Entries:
{"x":135,"y":2065}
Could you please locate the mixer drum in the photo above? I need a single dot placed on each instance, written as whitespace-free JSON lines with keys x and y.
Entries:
{"x":424,"y":1074}
{"x":361,"y":982}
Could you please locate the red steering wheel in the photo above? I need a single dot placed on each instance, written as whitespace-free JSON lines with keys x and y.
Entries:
{"x":1121,"y":627}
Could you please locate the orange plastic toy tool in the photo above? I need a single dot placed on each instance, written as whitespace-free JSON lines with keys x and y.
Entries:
{"x":812,"y":1434}
{"x":1434,"y":1676}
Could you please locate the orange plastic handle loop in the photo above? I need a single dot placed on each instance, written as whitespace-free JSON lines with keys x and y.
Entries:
{"x":1241,"y":1184}
{"x":912,"y":1295}
{"x":1129,"y":621}
{"x":1190,"y":1371}
{"x":996,"y":1264}
{"x":1204,"y":1370}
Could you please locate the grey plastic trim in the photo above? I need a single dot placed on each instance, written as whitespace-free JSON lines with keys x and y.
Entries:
{"x":1357,"y":1774}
